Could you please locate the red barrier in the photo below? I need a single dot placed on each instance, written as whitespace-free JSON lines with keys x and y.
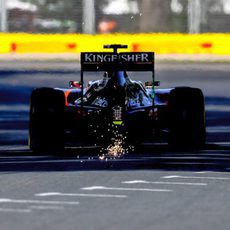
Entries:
{"x":13,"y":47}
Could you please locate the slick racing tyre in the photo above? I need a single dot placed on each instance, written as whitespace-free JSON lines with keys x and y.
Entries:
{"x":46,"y":127}
{"x":186,"y":118}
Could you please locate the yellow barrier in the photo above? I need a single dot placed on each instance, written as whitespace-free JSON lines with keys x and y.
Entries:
{"x":76,"y":43}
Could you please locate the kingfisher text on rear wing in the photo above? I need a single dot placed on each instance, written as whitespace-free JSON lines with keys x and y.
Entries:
{"x":105,"y":61}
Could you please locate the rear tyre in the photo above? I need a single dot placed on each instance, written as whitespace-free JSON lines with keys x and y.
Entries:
{"x":186,"y":118}
{"x":46,"y":127}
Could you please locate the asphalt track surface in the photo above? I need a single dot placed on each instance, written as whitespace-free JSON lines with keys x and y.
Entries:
{"x":151,"y":188}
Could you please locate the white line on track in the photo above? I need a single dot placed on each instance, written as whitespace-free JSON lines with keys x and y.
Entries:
{"x":218,"y":129}
{"x":190,"y":163}
{"x":15,"y":210}
{"x":3,"y":200}
{"x":14,"y":108}
{"x":125,"y":189}
{"x":81,"y":195}
{"x":162,"y":182}
{"x":226,"y":143}
{"x":212,"y":172}
{"x":41,"y":161}
{"x":31,"y":161}
{"x":223,"y":108}
{"x":40,"y":207}
{"x":196,"y":177}
{"x":22,"y":157}
{"x":13,"y":131}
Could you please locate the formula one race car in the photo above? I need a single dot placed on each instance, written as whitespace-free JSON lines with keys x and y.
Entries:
{"x":115,"y":107}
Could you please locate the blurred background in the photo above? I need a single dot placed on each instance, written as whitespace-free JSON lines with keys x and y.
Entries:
{"x":111,"y":16}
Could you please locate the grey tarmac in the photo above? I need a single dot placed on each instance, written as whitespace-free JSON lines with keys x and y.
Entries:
{"x":152,"y":188}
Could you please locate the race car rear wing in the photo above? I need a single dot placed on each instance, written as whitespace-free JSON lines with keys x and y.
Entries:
{"x":128,"y":61}
{"x":114,"y":61}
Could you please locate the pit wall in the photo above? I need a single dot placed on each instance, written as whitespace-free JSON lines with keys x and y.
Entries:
{"x":218,"y":44}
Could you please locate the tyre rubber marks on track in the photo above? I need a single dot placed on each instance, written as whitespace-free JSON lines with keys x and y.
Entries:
{"x":52,"y":208}
{"x":125,"y":189}
{"x":30,"y":208}
{"x":12,"y":210}
{"x":163,"y":183}
{"x":6,"y":200}
{"x":35,"y":205}
{"x":80,"y":195}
